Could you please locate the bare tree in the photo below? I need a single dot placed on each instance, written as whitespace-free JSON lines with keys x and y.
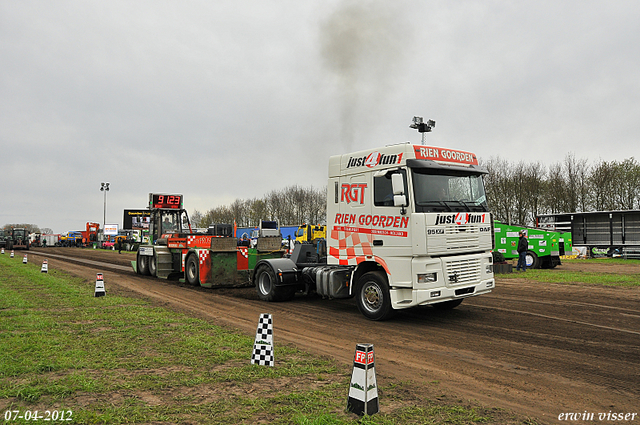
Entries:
{"x":533,"y":191}
{"x":502,"y":189}
{"x":626,"y":184}
{"x":575,"y":177}
{"x":31,"y":228}
{"x":293,"y":205}
{"x":520,"y":196}
{"x":556,"y":190}
{"x":601,"y":181}
{"x":196,"y":218}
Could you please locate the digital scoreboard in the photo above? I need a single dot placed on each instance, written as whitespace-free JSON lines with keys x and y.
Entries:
{"x":165,"y":201}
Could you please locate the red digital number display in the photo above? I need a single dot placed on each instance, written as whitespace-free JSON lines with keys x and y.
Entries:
{"x":166,"y":201}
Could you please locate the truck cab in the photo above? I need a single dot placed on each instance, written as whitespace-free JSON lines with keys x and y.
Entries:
{"x":417,"y":218}
{"x":309,"y":233}
{"x":407,"y":225}
{"x":167,"y":223}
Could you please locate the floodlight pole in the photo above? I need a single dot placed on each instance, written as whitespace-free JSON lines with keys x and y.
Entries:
{"x":423,"y":127}
{"x":104,"y":187}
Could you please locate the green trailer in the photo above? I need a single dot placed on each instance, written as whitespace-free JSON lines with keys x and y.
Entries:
{"x":545,"y":247}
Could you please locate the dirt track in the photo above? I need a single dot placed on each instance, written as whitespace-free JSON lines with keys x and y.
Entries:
{"x":537,"y":349}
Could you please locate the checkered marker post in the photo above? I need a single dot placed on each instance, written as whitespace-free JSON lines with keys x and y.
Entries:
{"x":363,"y":391}
{"x":99,"y":292}
{"x":24,"y":260}
{"x":263,"y":347}
{"x":11,"y":256}
{"x":45,"y":267}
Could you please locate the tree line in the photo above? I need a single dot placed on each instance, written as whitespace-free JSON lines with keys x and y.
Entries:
{"x":31,"y":228}
{"x":518,"y":192}
{"x":293,"y":205}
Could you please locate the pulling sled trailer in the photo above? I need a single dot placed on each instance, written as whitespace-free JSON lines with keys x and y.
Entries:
{"x":212,"y":259}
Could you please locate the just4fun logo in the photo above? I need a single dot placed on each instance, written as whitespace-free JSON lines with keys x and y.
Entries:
{"x":374,"y":159}
{"x":459,"y":218}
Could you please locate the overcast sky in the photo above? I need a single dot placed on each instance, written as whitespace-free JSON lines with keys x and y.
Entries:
{"x":220,"y":100}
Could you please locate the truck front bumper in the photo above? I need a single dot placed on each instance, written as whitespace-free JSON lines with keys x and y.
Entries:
{"x":406,"y":297}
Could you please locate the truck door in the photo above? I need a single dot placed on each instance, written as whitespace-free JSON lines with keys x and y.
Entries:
{"x":389,"y":223}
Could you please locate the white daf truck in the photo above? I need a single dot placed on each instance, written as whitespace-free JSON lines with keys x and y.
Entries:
{"x":407,"y":225}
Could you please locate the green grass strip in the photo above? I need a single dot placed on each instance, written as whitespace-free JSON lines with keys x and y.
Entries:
{"x":557,"y":275}
{"x":113,"y":359}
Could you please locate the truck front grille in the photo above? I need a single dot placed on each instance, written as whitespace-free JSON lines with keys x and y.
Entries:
{"x":463,"y":271}
{"x":463,"y":243}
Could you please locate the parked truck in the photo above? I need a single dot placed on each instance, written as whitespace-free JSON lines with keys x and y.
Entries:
{"x":90,"y":234}
{"x":50,"y":240}
{"x":309,"y":233}
{"x":265,"y":228}
{"x":72,"y":238}
{"x":407,"y":225}
{"x":544,"y":247}
{"x":18,"y":238}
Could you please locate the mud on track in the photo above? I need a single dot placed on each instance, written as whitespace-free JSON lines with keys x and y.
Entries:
{"x":537,"y":349}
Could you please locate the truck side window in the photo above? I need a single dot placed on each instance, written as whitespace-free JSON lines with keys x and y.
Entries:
{"x":383,"y":191}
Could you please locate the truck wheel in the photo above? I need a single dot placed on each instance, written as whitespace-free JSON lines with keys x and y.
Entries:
{"x":532,"y":261}
{"x":192,"y":270}
{"x":372,"y":295}
{"x":153,"y":266}
{"x":267,"y":289}
{"x":142,"y":265}
{"x":447,"y":305}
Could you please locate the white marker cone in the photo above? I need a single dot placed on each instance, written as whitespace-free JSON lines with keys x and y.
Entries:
{"x":363,"y":391}
{"x":24,"y":260}
{"x":11,"y":256}
{"x":263,"y":347}
{"x":45,"y":267}
{"x":99,"y":292}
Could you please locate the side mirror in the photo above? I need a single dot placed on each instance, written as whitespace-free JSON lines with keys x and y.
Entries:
{"x":399,"y":201}
{"x":399,"y":197}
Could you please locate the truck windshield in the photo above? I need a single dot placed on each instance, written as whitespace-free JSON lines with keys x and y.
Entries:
{"x":435,"y":192}
{"x":170,"y":220}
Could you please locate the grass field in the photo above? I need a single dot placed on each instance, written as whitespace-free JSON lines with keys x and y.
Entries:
{"x":557,"y":275}
{"x":115,"y":359}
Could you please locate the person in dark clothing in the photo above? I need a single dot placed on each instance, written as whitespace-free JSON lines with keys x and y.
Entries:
{"x":523,"y":245}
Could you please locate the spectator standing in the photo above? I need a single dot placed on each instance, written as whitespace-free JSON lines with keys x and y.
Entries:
{"x":523,"y":245}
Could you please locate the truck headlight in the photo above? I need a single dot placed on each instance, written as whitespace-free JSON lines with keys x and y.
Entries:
{"x":489,"y":268}
{"x":428,"y":277}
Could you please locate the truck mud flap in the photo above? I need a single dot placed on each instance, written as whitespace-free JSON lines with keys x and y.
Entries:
{"x":285,"y":270}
